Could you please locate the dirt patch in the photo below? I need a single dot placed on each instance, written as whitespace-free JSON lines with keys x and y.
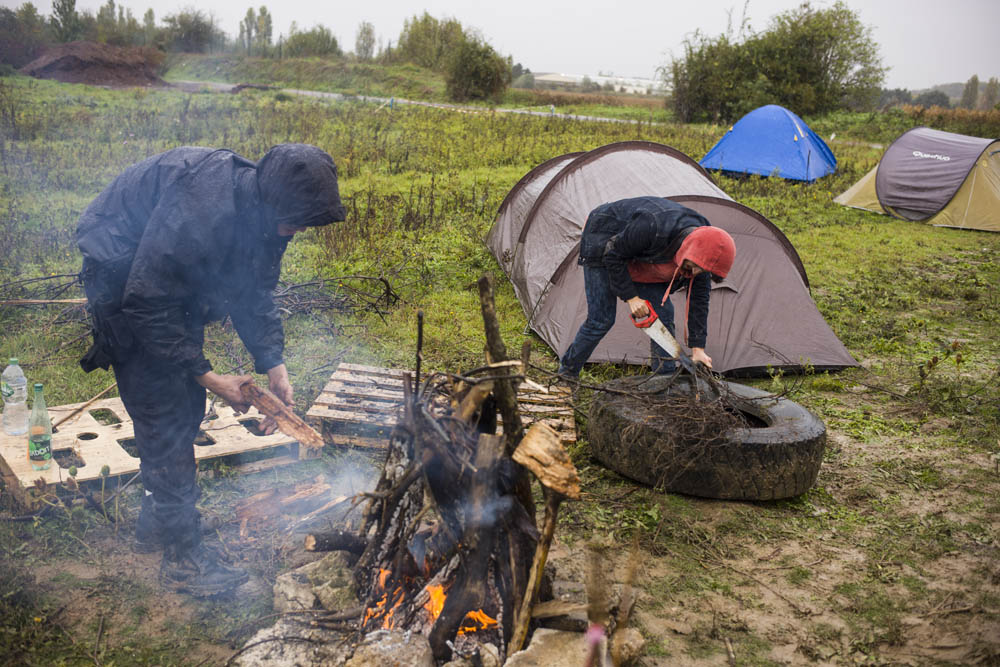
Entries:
{"x":98,"y":65}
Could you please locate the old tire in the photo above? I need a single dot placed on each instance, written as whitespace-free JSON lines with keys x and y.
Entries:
{"x":778,"y":459}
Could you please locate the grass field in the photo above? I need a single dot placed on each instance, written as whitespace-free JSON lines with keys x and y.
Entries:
{"x":892,"y":558}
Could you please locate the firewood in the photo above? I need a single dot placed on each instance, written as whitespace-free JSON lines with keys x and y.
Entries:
{"x":335,"y":540}
{"x":541,"y":452}
{"x":303,"y":497}
{"x":473,"y":400}
{"x":522,"y":618}
{"x":288,"y":422}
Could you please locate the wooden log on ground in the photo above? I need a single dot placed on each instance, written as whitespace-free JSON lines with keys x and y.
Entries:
{"x":335,"y":540}
{"x":288,"y":422}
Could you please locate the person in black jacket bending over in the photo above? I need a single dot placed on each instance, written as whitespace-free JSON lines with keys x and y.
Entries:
{"x":635,"y":250}
{"x":184,"y":238}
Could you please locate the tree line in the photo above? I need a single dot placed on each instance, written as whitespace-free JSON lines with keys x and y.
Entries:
{"x":472,"y":68}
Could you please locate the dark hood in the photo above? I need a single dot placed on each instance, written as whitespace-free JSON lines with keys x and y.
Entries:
{"x":298,"y":186}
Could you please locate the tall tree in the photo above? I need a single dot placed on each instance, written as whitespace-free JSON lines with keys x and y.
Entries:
{"x":24,"y":34}
{"x":148,"y":27}
{"x":265,"y":27}
{"x":65,"y":20}
{"x":990,"y":94}
{"x":248,"y":28}
{"x":428,"y":42}
{"x":970,"y":95}
{"x":364,"y":42}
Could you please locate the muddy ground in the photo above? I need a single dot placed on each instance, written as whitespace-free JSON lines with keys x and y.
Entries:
{"x":890,"y":559}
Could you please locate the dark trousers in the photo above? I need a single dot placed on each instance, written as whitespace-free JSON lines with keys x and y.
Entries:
{"x":601,"y":305}
{"x":166,"y":406}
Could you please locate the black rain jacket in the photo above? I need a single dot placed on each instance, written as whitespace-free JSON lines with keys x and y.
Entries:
{"x":645,"y":229}
{"x":189,"y":236}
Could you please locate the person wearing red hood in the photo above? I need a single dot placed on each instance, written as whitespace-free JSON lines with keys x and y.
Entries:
{"x":643,"y":249}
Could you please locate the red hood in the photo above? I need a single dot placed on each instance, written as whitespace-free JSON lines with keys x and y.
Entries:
{"x":710,"y":248}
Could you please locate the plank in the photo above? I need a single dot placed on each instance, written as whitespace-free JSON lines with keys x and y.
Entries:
{"x":359,"y":398}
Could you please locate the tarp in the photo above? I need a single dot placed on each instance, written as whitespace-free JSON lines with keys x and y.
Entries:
{"x":772,"y":141}
{"x":761,"y":316}
{"x":941,"y":178}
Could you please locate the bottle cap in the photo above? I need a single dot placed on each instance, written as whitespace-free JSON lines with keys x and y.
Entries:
{"x":38,"y":386}
{"x":13,"y":361}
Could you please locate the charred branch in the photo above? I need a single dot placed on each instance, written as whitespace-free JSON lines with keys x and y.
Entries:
{"x":335,"y":540}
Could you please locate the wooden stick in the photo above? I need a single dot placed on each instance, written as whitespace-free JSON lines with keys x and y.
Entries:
{"x":82,"y":407}
{"x":522,"y":618}
{"x":289,"y":423}
{"x":39,"y":302}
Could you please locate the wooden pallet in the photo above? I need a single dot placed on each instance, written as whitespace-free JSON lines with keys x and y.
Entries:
{"x":360,"y":404}
{"x":98,"y":444}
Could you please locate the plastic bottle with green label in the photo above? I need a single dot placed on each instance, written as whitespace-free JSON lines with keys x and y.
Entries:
{"x":39,"y":433}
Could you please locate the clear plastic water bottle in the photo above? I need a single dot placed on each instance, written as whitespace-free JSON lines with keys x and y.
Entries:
{"x":15,"y":399}
{"x":39,"y":433}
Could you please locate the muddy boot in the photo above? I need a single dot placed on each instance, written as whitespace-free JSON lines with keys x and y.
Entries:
{"x":198,"y":571}
{"x":148,"y":532}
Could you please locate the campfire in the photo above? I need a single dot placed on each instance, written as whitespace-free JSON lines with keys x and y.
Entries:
{"x":449,"y":546}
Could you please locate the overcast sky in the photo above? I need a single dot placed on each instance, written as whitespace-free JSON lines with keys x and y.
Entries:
{"x":924,"y":42}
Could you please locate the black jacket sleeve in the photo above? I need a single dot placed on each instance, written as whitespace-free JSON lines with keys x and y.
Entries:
{"x":255,"y":315}
{"x":697,"y":327}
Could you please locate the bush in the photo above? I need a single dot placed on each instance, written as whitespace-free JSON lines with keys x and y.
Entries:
{"x":477,"y":72}
{"x":316,"y":42}
{"x":811,"y":61}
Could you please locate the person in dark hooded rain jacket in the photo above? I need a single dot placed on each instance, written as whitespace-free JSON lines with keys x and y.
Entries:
{"x":642,"y":249}
{"x":181,"y":239}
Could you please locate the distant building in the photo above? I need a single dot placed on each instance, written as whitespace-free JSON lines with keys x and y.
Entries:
{"x":553,"y":81}
{"x":574,"y":82}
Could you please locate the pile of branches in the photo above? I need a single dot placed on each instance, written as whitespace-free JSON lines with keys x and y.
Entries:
{"x":342,"y":294}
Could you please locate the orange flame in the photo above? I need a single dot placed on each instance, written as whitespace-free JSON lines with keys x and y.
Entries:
{"x":387,"y":621}
{"x":372,"y":611}
{"x":436,"y":602}
{"x":475,"y":621}
{"x":383,"y":576}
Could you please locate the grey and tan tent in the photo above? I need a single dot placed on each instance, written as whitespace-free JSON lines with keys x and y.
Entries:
{"x":941,"y":178}
{"x":761,"y":316}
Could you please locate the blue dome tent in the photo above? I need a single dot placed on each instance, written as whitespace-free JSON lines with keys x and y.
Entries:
{"x":772,"y":141}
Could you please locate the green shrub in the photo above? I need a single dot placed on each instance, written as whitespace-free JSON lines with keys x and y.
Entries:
{"x":477,"y":72}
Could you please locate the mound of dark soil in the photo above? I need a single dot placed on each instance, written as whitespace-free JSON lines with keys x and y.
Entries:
{"x":98,"y":65}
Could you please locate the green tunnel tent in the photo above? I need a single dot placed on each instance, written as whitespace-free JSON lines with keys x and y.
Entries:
{"x":762,"y":316}
{"x":941,"y":178}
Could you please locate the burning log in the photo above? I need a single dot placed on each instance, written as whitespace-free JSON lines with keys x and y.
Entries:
{"x":449,"y":532}
{"x":288,"y":422}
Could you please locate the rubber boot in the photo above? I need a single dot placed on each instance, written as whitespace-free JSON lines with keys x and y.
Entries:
{"x":198,"y":571}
